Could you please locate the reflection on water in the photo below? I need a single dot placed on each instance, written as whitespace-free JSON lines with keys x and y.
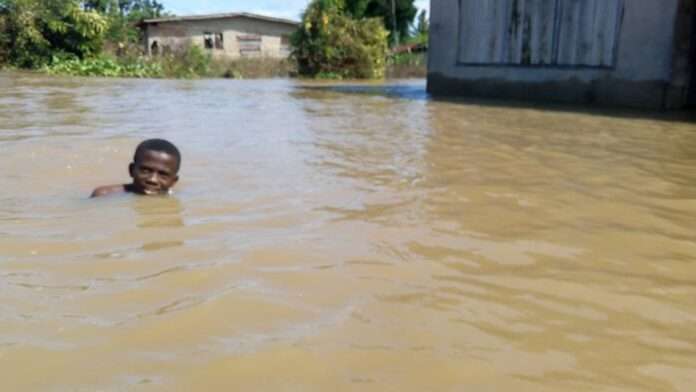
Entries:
{"x":342,"y":237}
{"x":158,"y":213}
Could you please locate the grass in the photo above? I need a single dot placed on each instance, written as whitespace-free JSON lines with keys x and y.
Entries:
{"x":194,"y":62}
{"x":189,"y":63}
{"x":407,"y":65}
{"x":252,"y":68}
{"x":104,"y":66}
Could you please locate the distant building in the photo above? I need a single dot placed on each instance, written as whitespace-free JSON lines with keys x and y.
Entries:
{"x":613,"y":52}
{"x":232,"y":35}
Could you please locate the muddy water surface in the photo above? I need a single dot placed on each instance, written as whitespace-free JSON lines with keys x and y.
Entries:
{"x":337,"y":239}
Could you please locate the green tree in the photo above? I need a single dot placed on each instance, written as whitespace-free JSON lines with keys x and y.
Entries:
{"x":33,"y":31}
{"x":398,"y":23}
{"x":330,"y":43}
{"x":134,"y":9}
{"x":422,"y":25}
{"x":145,"y":9}
{"x":421,"y":29}
{"x":124,"y":16}
{"x":4,"y":41}
{"x":356,"y":8}
{"x":101,"y":6}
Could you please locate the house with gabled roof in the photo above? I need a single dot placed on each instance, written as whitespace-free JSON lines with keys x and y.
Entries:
{"x":229,"y":35}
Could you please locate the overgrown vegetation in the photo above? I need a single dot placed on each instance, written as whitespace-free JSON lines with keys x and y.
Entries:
{"x":33,"y":31}
{"x":407,"y":65}
{"x":396,"y":15}
{"x":190,"y":62}
{"x":411,"y":59}
{"x":106,"y":66}
{"x":36,"y":33}
{"x":102,"y":38}
{"x":421,"y":30}
{"x":252,"y":68}
{"x":348,"y":39}
{"x":123,"y":16}
{"x":187,"y":63}
{"x":338,"y":39}
{"x":332,"y":44}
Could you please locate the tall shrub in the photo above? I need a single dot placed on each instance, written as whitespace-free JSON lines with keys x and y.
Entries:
{"x":36,"y":30}
{"x":4,"y":40}
{"x":397,"y":19}
{"x":190,"y":61}
{"x":332,"y":44}
{"x":124,"y":16}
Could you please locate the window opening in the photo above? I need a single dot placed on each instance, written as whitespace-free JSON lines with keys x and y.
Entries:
{"x":208,"y":40}
{"x":285,"y":45}
{"x":249,"y":45}
{"x":154,"y":48}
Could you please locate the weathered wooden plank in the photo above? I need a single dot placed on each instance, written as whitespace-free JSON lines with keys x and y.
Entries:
{"x":507,"y":31}
{"x":481,"y":22}
{"x":536,"y":44}
{"x":588,"y":32}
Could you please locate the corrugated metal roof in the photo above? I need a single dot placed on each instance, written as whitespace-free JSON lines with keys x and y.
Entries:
{"x":232,"y":15}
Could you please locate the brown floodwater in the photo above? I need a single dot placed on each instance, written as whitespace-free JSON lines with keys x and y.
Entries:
{"x":347,"y":238}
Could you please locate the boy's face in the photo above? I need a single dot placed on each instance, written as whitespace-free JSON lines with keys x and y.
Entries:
{"x":154,"y":172}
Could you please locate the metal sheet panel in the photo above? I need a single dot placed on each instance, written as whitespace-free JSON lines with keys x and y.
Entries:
{"x":536,"y":43}
{"x":481,"y":22}
{"x":539,"y":32}
{"x":588,"y":32}
{"x":507,"y":31}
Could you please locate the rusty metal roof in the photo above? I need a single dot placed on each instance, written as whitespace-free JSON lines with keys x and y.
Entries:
{"x":232,"y":15}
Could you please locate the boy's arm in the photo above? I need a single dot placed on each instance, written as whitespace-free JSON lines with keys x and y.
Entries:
{"x":107,"y":190}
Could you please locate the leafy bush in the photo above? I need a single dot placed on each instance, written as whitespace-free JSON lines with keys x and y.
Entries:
{"x":124,"y":17}
{"x":405,"y":10}
{"x":407,"y":65}
{"x":4,"y":41}
{"x":191,"y":61}
{"x":331,"y":44}
{"x":252,"y":68}
{"x":104,"y":66}
{"x":33,"y":31}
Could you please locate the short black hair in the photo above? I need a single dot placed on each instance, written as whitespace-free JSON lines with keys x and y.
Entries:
{"x":159,"y":145}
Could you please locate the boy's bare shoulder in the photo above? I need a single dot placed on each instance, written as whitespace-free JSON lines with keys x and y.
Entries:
{"x":108,"y":190}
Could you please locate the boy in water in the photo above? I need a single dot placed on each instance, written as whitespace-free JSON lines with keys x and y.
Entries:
{"x":154,"y":170}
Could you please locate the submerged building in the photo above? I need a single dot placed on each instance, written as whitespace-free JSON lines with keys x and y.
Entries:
{"x":637,"y":53}
{"x":232,"y":35}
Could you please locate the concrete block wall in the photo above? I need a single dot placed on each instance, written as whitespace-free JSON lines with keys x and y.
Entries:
{"x":640,"y":76}
{"x":181,"y":33}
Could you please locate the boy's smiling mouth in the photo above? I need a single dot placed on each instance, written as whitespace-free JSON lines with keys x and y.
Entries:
{"x":151,"y":190}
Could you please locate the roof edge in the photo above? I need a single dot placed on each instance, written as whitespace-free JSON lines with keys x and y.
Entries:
{"x":229,"y":15}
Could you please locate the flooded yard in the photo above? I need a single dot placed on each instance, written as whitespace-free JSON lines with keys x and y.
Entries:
{"x":358,"y":237}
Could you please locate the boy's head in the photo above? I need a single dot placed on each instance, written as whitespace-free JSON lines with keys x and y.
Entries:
{"x":155,"y":167}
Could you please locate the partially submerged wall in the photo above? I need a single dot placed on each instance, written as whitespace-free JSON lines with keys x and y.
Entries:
{"x":612,"y":52}
{"x":682,"y":89}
